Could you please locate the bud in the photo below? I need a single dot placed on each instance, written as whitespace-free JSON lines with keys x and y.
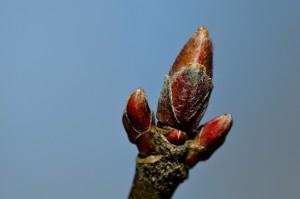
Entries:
{"x":137,"y":117}
{"x":176,"y":137}
{"x":214,"y":132}
{"x":198,"y":50}
{"x":186,"y":90}
{"x":211,"y":136}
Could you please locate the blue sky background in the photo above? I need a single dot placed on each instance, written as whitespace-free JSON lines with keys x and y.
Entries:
{"x":67,"y":68}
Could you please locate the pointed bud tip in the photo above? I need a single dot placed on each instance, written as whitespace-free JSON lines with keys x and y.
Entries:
{"x":197,"y":51}
{"x":225,"y":121}
{"x":202,"y":31}
{"x":137,"y":95}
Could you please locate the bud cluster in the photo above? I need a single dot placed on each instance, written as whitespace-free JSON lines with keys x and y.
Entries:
{"x":181,"y":105}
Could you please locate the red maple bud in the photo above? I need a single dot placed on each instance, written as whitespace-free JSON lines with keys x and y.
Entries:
{"x":184,"y":98}
{"x":211,"y":136}
{"x":214,"y":132}
{"x":186,"y":90}
{"x":197,"y":51}
{"x":137,"y":117}
{"x":176,"y":137}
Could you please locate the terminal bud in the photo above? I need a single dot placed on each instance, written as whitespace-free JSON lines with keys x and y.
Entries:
{"x":187,"y":87}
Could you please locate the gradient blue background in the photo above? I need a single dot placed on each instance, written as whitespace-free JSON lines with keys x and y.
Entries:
{"x":67,"y":68}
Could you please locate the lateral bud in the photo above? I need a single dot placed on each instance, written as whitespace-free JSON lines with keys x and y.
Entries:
{"x":213,"y":133}
{"x":210,"y":137}
{"x":176,"y":137}
{"x":137,"y":117}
